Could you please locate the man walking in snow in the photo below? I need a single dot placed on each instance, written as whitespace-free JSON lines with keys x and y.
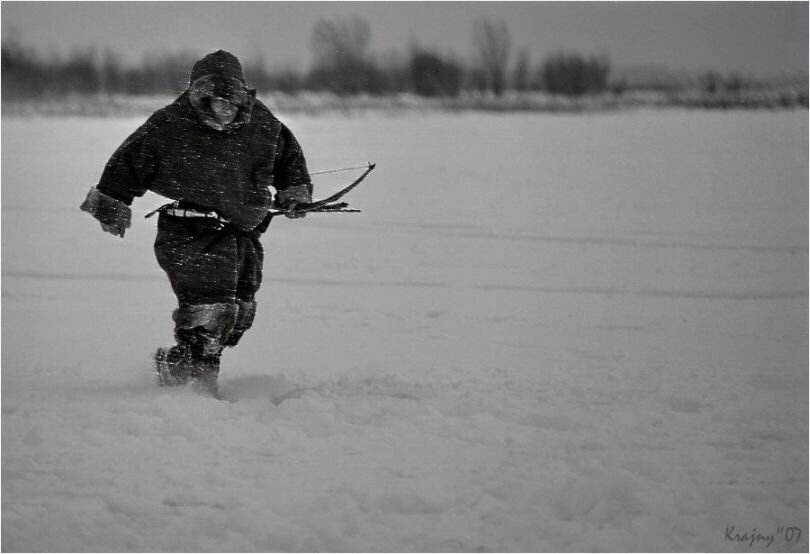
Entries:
{"x":215,"y":151}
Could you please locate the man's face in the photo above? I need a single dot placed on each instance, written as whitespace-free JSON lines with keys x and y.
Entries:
{"x":224,"y":111}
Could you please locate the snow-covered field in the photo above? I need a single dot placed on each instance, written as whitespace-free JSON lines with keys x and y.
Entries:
{"x":543,"y":333}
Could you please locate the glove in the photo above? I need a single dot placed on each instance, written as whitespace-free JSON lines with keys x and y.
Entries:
{"x":290,"y":212}
{"x":289,"y":198}
{"x":114,"y":215}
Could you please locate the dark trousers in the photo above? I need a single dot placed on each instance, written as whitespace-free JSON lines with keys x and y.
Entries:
{"x":215,"y":272}
{"x":206,"y":264}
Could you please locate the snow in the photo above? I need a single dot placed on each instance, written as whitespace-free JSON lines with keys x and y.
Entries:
{"x":543,"y":333}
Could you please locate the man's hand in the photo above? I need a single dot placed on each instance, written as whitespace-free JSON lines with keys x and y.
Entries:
{"x":114,"y":216}
{"x":290,"y":212}
{"x":116,"y":230}
{"x":289,"y":198}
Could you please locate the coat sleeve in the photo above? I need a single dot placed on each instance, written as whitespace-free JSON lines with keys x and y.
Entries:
{"x":291,"y":178}
{"x":129,"y":171}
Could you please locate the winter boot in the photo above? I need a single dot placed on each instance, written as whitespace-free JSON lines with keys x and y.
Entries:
{"x":173,"y":365}
{"x":204,"y":377}
{"x":200,"y":331}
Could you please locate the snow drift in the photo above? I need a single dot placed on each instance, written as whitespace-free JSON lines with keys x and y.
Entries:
{"x":544,"y":333}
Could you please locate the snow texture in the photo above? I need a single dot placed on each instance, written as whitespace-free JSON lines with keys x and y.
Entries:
{"x":543,"y":333}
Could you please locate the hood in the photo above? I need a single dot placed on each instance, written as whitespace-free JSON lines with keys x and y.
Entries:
{"x":220,"y":74}
{"x":220,"y":63}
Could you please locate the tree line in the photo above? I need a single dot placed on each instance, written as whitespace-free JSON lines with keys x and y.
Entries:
{"x":343,"y":65}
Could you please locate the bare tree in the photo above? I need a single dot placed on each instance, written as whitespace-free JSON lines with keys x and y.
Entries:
{"x":572,"y":74}
{"x":520,"y":74}
{"x":111,"y":74}
{"x":340,"y":42}
{"x":24,"y":75}
{"x":341,"y":62}
{"x":433,"y":74}
{"x":492,"y":43}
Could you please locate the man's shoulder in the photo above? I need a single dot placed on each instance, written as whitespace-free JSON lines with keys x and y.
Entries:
{"x":158,"y":118}
{"x":261,"y":109}
{"x":178,"y":109}
{"x":263,"y":116}
{"x":168,"y":119}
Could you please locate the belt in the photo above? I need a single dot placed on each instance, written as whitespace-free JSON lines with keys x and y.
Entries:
{"x":186,"y":212}
{"x":174,"y":210}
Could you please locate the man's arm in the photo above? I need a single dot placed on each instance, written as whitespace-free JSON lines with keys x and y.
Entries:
{"x":292,"y":179}
{"x":125,"y":176}
{"x":128,"y":172}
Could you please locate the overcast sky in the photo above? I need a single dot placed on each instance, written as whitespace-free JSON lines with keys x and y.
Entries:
{"x":759,"y":38}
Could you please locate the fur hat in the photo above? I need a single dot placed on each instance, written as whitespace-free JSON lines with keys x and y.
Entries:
{"x":219,"y":63}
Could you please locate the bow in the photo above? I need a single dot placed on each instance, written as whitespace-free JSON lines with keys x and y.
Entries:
{"x":328,"y":204}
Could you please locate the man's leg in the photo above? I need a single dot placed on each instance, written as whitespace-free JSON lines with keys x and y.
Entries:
{"x":245,"y":314}
{"x":204,"y":280}
{"x":200,"y":331}
{"x":251,"y":259}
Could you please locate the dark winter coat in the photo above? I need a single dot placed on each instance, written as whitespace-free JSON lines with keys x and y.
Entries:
{"x":178,"y":154}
